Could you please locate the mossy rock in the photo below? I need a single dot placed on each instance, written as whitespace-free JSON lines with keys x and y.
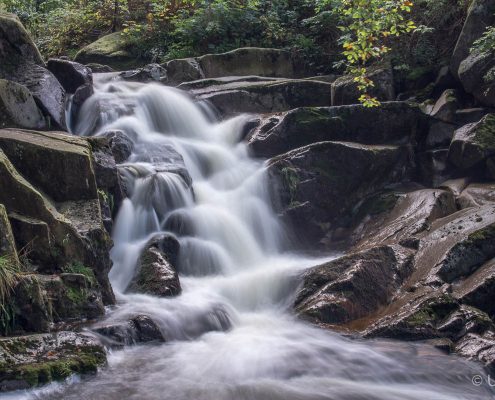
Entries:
{"x":31,"y":361}
{"x":115,"y":50}
{"x":473,"y":144}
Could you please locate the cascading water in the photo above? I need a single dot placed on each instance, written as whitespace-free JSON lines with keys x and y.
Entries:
{"x":230,"y":334}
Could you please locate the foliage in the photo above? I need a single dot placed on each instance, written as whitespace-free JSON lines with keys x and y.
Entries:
{"x":9,"y":276}
{"x":486,"y":43}
{"x":367,"y":26}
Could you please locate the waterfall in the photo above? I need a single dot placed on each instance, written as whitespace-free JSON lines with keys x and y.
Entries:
{"x":230,"y":334}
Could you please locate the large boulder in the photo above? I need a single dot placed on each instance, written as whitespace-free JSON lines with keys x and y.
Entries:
{"x":249,"y":61}
{"x":70,"y":74}
{"x":46,"y":90}
{"x":473,"y":144}
{"x":480,"y":16}
{"x":183,"y":70}
{"x":156,"y":271}
{"x":114,"y":50}
{"x":57,"y":211}
{"x":264,"y":96}
{"x":314,"y":185}
{"x":353,"y":286}
{"x":22,"y":63}
{"x":45,"y":303}
{"x":30,"y":361}
{"x":393,"y":123}
{"x":18,"y":108}
{"x":16,"y":47}
{"x":477,"y":75}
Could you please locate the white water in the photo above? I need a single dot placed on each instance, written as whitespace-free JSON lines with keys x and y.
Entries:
{"x":231,"y":335}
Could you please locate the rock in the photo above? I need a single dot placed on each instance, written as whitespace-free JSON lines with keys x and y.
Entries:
{"x":114,"y":50}
{"x":46,"y":90}
{"x":34,"y":360}
{"x":393,"y":123}
{"x":455,"y":186}
{"x":66,"y":157}
{"x":395,"y":217}
{"x":477,"y":75}
{"x":44,"y":303}
{"x":476,"y":195}
{"x":72,"y":227}
{"x":263,"y":97}
{"x":139,"y":329}
{"x":70,"y":74}
{"x":183,"y":70}
{"x":473,"y":143}
{"x":432,"y":167}
{"x":99,"y":68}
{"x":445,"y":80}
{"x":18,"y":108}
{"x":440,"y":135}
{"x":249,"y":61}
{"x":106,"y":172}
{"x":120,"y":144}
{"x":446,"y":106}
{"x":458,"y":244}
{"x":314,"y":186}
{"x":478,"y":290}
{"x":345,"y":91}
{"x":23,"y":64}
{"x":418,"y":319}
{"x":7,"y":242}
{"x":480,"y":348}
{"x":156,"y":272}
{"x":149,"y":73}
{"x":479,"y":17}
{"x":17,"y":48}
{"x":353,"y":286}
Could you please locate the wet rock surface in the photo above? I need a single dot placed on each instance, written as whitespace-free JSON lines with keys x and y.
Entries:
{"x":156,"y":271}
{"x":317,"y":187}
{"x":30,"y":361}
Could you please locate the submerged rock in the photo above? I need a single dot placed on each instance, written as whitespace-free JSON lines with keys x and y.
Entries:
{"x":139,"y":329}
{"x":30,"y":361}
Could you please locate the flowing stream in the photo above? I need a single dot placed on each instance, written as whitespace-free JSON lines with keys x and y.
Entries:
{"x":230,"y":334}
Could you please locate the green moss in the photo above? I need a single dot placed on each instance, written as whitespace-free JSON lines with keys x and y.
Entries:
{"x":76,"y":296}
{"x":78,"y":268}
{"x":83,"y":361}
